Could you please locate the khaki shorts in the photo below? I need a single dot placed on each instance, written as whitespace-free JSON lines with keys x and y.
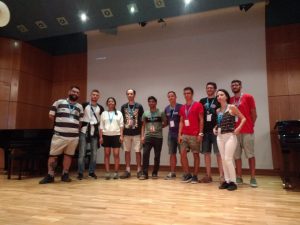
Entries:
{"x":190,"y":143}
{"x":132,"y":142}
{"x":246,"y":143}
{"x":63,"y":145}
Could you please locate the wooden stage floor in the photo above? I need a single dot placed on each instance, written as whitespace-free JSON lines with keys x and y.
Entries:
{"x":135,"y":202}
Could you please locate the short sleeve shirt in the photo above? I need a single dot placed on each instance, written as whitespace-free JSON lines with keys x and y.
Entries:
{"x":132,"y":115}
{"x":154,"y":123}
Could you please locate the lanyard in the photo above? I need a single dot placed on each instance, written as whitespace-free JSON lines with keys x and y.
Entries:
{"x":207,"y":105}
{"x":220,"y":116}
{"x":131,"y":111}
{"x":173,"y":111}
{"x":93,"y":112}
{"x":71,"y":108}
{"x":110,"y":117}
{"x":239,"y":102}
{"x":187,"y":112}
{"x":152,"y":116}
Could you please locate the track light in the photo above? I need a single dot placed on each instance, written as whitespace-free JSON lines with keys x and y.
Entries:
{"x":246,"y":7}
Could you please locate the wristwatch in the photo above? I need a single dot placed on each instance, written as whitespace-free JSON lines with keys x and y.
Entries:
{"x":201,"y":134}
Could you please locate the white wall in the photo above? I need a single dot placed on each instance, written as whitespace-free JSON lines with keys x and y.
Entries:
{"x":191,"y":50}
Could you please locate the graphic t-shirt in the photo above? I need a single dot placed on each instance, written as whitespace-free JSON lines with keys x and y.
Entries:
{"x":154,"y":124}
{"x":245,"y":104}
{"x":132,"y":115}
{"x":191,"y":113}
{"x":210,"y":106}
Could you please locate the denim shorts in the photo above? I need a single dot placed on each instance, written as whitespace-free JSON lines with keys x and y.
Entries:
{"x":173,"y":145}
{"x":209,"y":141}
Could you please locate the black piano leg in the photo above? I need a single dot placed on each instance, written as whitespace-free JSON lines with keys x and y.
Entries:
{"x":286,"y":182}
{"x":20,"y":169}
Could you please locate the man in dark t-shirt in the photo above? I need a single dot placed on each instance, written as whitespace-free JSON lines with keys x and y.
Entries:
{"x":132,"y":114}
{"x":210,"y":105}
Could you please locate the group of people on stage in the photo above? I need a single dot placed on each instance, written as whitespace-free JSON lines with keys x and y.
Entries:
{"x":218,"y":121}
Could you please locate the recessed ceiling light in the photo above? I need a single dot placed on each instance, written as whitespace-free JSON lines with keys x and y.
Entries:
{"x":132,"y":8}
{"x":107,"y":13}
{"x":83,"y":17}
{"x":40,"y":24}
{"x":22,"y":28}
{"x":62,"y":21}
{"x":16,"y":44}
{"x":186,"y":2}
{"x":159,"y":3}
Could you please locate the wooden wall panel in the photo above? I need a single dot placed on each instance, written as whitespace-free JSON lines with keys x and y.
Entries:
{"x":5,"y":75}
{"x":36,"y":62}
{"x":294,"y":105}
{"x":34,"y":90}
{"x":60,"y":89}
{"x":277,"y":78}
{"x":278,"y":109}
{"x":293,"y":69}
{"x":32,"y":116}
{"x":4,"y":91}
{"x":4,"y":111}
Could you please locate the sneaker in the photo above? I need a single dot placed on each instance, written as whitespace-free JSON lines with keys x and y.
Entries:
{"x":65,"y":178}
{"x":80,"y":176}
{"x":224,"y":185}
{"x":206,"y":179}
{"x":194,"y":180}
{"x":116,"y":176}
{"x":107,"y":176}
{"x":187,"y":178}
{"x":93,"y":175}
{"x":170,"y":176}
{"x":139,"y":174}
{"x":239,"y":180}
{"x":231,"y":186}
{"x":154,"y":176}
{"x":125,"y":175}
{"x":253,"y":182}
{"x":143,"y":177}
{"x":47,"y":179}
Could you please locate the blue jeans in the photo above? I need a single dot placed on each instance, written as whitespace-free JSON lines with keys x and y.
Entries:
{"x":82,"y":151}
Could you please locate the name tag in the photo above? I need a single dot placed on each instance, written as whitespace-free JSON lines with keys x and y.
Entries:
{"x":172,"y":124}
{"x":187,"y":123}
{"x":208,"y":117}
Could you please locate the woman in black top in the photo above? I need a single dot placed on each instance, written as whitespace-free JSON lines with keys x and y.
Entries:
{"x":226,"y":138}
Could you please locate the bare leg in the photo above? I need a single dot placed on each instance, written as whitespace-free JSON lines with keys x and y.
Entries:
{"x":220,"y":166}
{"x":52,"y":163}
{"x":116,"y":158}
{"x":138,"y":161}
{"x":252,"y":166}
{"x":238,"y":164}
{"x":196,"y":163}
{"x":106,"y":158}
{"x":207,"y":158}
{"x":67,"y":163}
{"x":173,"y":162}
{"x":184,"y":161}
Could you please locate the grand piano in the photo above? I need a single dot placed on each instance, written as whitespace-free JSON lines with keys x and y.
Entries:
{"x":24,"y":144}
{"x":289,"y":138}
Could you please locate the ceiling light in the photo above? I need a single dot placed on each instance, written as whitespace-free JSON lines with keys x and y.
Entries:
{"x":107,"y":13}
{"x":40,"y":24}
{"x":159,"y":3}
{"x":16,"y":44}
{"x":186,"y":2}
{"x":62,"y":21}
{"x":83,"y":17}
{"x":22,"y":28}
{"x":132,"y":8}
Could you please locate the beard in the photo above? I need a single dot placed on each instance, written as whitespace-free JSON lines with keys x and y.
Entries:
{"x":73,"y":97}
{"x":235,"y":91}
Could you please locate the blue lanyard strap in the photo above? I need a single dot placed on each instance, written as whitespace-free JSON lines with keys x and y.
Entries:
{"x":239,"y":102}
{"x":187,"y":112}
{"x":172,"y":110}
{"x":131,"y":111}
{"x":220,"y":116}
{"x":110,"y":117}
{"x":207,"y":105}
{"x":71,"y":108}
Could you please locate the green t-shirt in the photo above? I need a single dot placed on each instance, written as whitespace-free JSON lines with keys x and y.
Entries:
{"x":154,"y":120}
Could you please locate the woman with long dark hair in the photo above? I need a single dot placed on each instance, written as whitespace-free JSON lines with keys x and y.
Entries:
{"x":226,"y":138}
{"x":111,"y":136}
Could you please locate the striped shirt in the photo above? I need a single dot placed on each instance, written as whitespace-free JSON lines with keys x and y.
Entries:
{"x":67,"y":117}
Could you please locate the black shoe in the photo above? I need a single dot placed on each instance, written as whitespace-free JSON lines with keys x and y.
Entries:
{"x":125,"y":175}
{"x":65,"y":178}
{"x":143,"y":177}
{"x":194,"y":180}
{"x":154,"y":176}
{"x":187,"y":178}
{"x":231,"y":186}
{"x":80,"y":176}
{"x":93,"y":175}
{"x":47,"y":179}
{"x":224,"y":185}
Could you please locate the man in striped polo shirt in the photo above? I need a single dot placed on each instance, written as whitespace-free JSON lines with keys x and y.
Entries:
{"x":66,"y":115}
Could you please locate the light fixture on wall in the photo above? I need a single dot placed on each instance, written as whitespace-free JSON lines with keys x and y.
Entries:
{"x":4,"y":14}
{"x":83,"y":17}
{"x":246,"y":7}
